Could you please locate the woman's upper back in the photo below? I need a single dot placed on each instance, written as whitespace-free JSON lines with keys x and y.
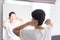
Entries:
{"x":36,"y":34}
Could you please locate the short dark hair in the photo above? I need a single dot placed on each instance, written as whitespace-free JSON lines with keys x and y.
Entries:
{"x":39,"y":15}
{"x":11,"y":13}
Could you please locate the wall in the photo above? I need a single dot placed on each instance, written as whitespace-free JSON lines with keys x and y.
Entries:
{"x":55,"y":15}
{"x":1,"y":9}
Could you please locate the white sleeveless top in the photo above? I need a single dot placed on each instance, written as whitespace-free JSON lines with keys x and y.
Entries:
{"x":9,"y":30}
{"x":36,"y":34}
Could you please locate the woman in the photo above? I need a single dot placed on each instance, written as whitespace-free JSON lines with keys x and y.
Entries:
{"x":9,"y":25}
{"x":38,"y":17}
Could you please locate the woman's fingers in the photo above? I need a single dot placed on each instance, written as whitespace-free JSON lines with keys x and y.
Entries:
{"x":48,"y":21}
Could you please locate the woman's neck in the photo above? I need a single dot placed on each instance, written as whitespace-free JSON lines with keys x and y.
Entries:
{"x":12,"y":21}
{"x":39,"y":27}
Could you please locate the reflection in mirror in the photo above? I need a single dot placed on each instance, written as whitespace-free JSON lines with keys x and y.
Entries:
{"x":23,"y":11}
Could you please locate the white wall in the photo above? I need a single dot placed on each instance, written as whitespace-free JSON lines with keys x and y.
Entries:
{"x":1,"y":13}
{"x":55,"y":15}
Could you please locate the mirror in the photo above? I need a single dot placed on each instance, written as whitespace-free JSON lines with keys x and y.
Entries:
{"x":23,"y":10}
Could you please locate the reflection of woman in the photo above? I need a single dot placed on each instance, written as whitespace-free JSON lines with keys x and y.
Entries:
{"x":40,"y":33}
{"x":10,"y":24}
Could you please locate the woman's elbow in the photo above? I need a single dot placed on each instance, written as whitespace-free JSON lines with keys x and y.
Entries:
{"x":16,"y":32}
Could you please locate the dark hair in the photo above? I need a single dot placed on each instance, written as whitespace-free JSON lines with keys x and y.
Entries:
{"x":39,"y":15}
{"x":11,"y":13}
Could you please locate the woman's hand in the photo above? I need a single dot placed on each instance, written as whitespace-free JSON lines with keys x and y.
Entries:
{"x":48,"y":22}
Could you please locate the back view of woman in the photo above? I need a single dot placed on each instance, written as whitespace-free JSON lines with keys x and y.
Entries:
{"x":40,"y":32}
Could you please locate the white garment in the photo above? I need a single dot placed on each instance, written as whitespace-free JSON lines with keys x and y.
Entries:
{"x":9,"y":30}
{"x":36,"y":34}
